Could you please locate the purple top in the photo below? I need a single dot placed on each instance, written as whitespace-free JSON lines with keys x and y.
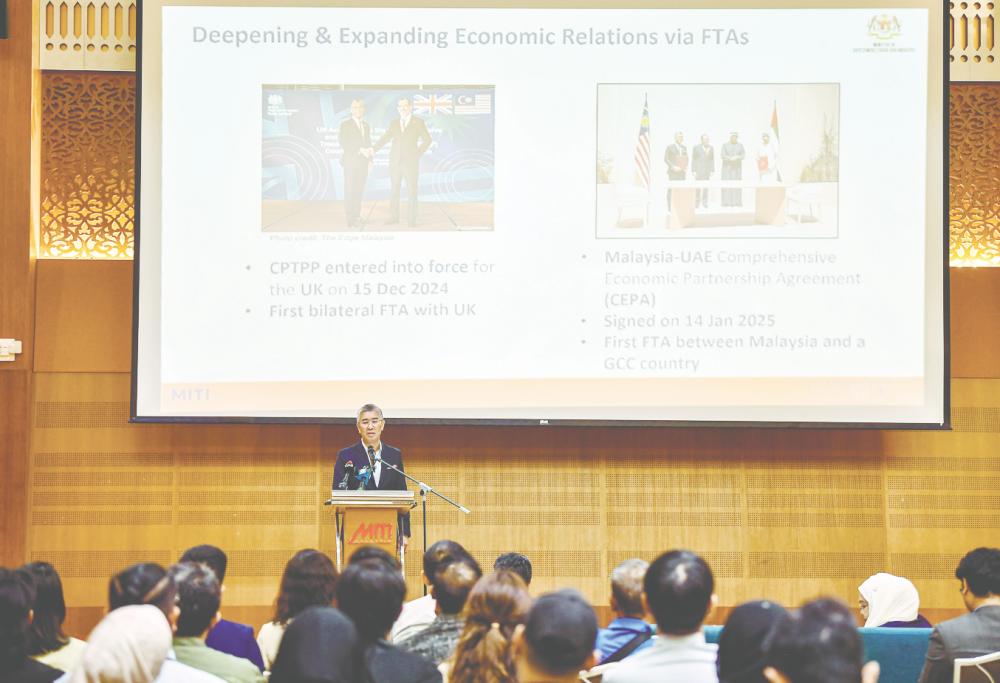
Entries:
{"x":919,"y":622}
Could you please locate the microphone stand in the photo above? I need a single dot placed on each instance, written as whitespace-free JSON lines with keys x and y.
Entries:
{"x":424,"y":490}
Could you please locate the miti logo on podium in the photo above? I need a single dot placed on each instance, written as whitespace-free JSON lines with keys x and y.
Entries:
{"x":373,"y":533}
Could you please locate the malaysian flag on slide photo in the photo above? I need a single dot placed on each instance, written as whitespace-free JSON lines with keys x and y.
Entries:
{"x":474,"y":104}
{"x":642,"y":147}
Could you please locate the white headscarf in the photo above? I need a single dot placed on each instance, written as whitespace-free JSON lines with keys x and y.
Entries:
{"x":890,"y":598}
{"x":128,"y":646}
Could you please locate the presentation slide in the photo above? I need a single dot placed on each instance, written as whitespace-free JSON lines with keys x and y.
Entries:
{"x":719,"y":213}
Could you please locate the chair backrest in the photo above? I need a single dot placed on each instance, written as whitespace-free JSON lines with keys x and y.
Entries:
{"x":983,"y":669}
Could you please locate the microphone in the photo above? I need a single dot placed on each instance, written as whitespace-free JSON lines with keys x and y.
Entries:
{"x":371,"y":456}
{"x":348,"y":475}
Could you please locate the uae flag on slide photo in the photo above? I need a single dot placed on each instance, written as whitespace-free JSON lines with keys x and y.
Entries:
{"x":473,"y":104}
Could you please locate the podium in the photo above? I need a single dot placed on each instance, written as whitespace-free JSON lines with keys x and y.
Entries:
{"x":368,"y":518}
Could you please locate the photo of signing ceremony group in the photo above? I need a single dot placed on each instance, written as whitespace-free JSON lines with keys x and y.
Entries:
{"x":717,"y":160}
{"x":343,"y":158}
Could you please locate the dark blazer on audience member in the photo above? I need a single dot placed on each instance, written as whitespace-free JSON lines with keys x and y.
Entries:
{"x":970,"y":635}
{"x":30,"y":672}
{"x":389,"y":480}
{"x":388,"y":664}
{"x":237,"y":640}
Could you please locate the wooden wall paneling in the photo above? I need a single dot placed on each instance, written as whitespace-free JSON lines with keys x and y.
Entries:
{"x":19,"y":114}
{"x":975,"y":319}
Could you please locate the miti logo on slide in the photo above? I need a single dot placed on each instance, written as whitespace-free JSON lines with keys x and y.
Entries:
{"x":884,"y":27}
{"x":373,"y":533}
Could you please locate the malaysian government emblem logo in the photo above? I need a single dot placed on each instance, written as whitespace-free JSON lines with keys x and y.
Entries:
{"x":884,"y":27}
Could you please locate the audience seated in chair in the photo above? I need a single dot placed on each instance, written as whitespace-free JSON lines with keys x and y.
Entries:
{"x":226,"y":636}
{"x":450,"y":587}
{"x":515,"y":562}
{"x":130,"y":645}
{"x":147,"y":583}
{"x":973,"y":634}
{"x":484,"y":654}
{"x":679,"y":591}
{"x":320,"y":646}
{"x":628,"y":632}
{"x":198,"y":598}
{"x":309,"y":580}
{"x":556,"y":641}
{"x":890,"y":601}
{"x":16,"y":598}
{"x":371,"y":594}
{"x":419,"y":613}
{"x":47,"y":642}
{"x":818,"y":643}
{"x":744,"y":641}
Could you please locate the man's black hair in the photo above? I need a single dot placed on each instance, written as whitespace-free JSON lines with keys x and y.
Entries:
{"x":560,"y":631}
{"x":453,"y":583}
{"x":517,"y":563}
{"x":373,"y":552}
{"x":818,"y":643}
{"x":442,"y":553}
{"x":981,"y":570}
{"x":209,"y":555}
{"x":199,"y":595}
{"x":16,"y":598}
{"x":372,"y":595}
{"x":678,"y":587}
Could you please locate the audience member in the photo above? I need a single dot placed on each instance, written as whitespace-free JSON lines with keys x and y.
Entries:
{"x":890,"y":601}
{"x":679,"y":592}
{"x":371,"y":594}
{"x":373,"y":552}
{"x":517,"y":563}
{"x":744,"y":641}
{"x":973,"y":634}
{"x":198,"y":597}
{"x":309,"y":580}
{"x":320,"y":646}
{"x":556,"y":641}
{"x":129,"y":645}
{"x":16,"y":597}
{"x":450,"y":587}
{"x":226,"y":636}
{"x":150,"y":584}
{"x":495,"y":607}
{"x":818,"y":643}
{"x":628,"y":632}
{"x":46,"y":640}
{"x":418,"y":614}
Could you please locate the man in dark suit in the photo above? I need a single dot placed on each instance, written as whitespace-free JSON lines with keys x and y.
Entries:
{"x":410,"y":140}
{"x":676,"y":158}
{"x":356,"y":142}
{"x":370,"y":450}
{"x":703,"y":166}
{"x":973,"y":634}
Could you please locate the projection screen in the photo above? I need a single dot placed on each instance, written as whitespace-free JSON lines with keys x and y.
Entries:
{"x":698,"y":212}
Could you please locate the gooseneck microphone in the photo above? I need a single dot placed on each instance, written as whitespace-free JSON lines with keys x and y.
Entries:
{"x":348,"y":475}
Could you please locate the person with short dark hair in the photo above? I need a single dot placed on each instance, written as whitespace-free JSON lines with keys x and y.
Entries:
{"x":16,"y":598}
{"x":556,"y":641}
{"x":199,"y":595}
{"x":679,"y":591}
{"x":47,"y":642}
{"x":227,"y":636}
{"x":517,"y":563}
{"x":320,"y":646}
{"x":309,"y":580}
{"x":371,"y":594}
{"x":629,"y":632}
{"x":419,"y":613}
{"x":973,"y":634}
{"x":818,"y":643}
{"x":450,"y":587}
{"x":147,"y":583}
{"x":373,"y":552}
{"x":744,"y":642}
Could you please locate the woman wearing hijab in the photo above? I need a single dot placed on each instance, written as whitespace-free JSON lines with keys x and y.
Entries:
{"x":319,"y":646}
{"x":890,"y":601}
{"x":744,"y":640}
{"x":128,"y":646}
